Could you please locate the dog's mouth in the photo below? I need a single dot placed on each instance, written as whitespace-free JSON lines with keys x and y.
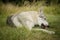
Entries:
{"x":44,"y":26}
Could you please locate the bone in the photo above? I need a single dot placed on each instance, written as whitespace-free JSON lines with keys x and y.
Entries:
{"x":44,"y":30}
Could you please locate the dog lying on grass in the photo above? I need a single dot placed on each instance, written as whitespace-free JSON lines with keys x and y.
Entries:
{"x":28,"y":19}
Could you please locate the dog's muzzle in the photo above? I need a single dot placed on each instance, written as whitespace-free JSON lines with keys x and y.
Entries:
{"x":44,"y":26}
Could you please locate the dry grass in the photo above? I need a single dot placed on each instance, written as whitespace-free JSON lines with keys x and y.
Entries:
{"x":11,"y":33}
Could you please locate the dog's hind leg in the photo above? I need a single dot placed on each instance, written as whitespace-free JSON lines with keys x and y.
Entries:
{"x":16,"y":22}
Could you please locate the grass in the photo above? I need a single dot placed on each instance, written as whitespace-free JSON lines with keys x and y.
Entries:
{"x":11,"y":33}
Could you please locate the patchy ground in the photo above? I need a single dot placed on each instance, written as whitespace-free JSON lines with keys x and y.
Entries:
{"x":11,"y":33}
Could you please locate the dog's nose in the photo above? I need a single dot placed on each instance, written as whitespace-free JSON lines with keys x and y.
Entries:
{"x":48,"y":26}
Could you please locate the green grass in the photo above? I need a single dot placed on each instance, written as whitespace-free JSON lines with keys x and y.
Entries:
{"x":11,"y":33}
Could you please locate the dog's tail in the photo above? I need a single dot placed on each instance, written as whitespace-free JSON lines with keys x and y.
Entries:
{"x":9,"y":21}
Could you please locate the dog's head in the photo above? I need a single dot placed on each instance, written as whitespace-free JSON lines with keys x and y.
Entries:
{"x":44,"y":24}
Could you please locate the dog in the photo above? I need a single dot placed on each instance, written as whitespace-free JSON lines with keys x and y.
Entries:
{"x":28,"y":19}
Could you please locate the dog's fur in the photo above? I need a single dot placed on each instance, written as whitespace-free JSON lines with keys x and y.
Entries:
{"x":27,"y":19}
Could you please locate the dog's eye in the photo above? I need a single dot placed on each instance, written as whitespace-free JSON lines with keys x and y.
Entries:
{"x":44,"y":18}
